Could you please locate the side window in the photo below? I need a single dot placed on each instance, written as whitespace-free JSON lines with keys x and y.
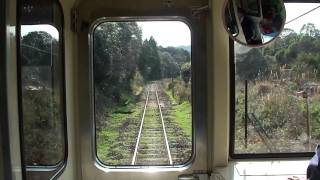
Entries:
{"x":142,"y":93}
{"x":277,"y":90}
{"x":41,"y":96}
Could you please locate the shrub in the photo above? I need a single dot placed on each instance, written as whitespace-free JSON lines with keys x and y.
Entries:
{"x":277,"y":109}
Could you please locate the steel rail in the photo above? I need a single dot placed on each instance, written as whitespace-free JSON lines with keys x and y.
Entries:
{"x":140,"y":130}
{"x":164,"y":130}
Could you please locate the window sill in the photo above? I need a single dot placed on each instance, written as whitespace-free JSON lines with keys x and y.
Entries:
{"x":265,"y":170}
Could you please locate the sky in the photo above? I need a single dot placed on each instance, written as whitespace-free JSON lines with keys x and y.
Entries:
{"x":176,"y":33}
{"x":25,"y":29}
{"x":295,"y":9}
{"x":166,"y":33}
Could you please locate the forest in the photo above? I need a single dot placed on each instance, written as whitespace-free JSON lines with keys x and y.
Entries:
{"x":283,"y":94}
{"x":124,"y":66}
{"x":123,"y":62}
{"x":42,"y":97}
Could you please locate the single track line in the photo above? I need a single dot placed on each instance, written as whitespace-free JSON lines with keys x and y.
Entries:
{"x":164,"y":130}
{"x":139,"y":135}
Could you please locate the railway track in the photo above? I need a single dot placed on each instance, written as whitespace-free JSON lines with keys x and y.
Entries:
{"x":152,"y":147}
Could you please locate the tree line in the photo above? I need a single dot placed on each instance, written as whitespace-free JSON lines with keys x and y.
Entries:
{"x":299,"y":52}
{"x":123,"y":63}
{"x":122,"y":58}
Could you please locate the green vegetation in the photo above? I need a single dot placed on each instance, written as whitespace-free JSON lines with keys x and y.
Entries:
{"x":315,"y":117}
{"x":283,"y":93}
{"x":42,"y":108}
{"x":179,"y":96}
{"x":183,"y":117}
{"x":123,"y":65}
{"x":116,"y":140}
{"x":178,"y":119}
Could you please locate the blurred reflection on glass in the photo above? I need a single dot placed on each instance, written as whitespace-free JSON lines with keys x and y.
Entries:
{"x":254,"y":22}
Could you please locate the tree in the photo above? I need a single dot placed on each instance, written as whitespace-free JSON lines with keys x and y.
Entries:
{"x":250,"y":65}
{"x":42,"y":112}
{"x":38,"y":51}
{"x":309,"y":29}
{"x":169,"y":67}
{"x":179,"y":55}
{"x":149,"y":61}
{"x":186,"y":72}
{"x":117,"y":47}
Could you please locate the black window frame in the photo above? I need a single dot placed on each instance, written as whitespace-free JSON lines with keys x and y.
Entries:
{"x":232,"y":154}
{"x":5,"y":156}
{"x":50,"y":171}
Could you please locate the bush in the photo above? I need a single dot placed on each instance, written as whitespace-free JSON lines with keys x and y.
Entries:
{"x":43,"y":134}
{"x":315,"y":117}
{"x":277,"y":109}
{"x":180,"y":90}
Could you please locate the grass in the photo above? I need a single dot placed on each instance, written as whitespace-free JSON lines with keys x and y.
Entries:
{"x":169,"y":94}
{"x":182,"y":113}
{"x":116,"y":139}
{"x":183,"y":117}
{"x":108,"y":136}
{"x":113,"y":141}
{"x":282,"y":114}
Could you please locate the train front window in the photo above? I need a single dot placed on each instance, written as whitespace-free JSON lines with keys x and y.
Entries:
{"x":142,"y":93}
{"x":277,"y":89}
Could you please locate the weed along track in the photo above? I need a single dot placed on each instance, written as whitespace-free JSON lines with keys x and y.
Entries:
{"x":152,"y":146}
{"x":152,"y":131}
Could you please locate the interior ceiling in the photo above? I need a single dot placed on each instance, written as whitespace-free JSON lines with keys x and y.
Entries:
{"x":96,"y":8}
{"x":138,"y":4}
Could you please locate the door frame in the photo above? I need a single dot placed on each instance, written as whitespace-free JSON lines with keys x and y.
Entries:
{"x":89,"y":165}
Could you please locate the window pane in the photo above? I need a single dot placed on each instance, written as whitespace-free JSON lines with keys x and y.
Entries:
{"x":142,"y":85}
{"x":277,"y":88}
{"x":42,"y":95}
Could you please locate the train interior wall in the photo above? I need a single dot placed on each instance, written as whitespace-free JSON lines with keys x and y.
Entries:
{"x":218,"y":76}
{"x":217,"y":87}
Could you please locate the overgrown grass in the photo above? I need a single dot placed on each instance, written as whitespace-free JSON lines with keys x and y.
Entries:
{"x":114,"y":140}
{"x":183,"y":117}
{"x":182,"y":110}
{"x":116,"y":137}
{"x":169,"y":94}
{"x":282,"y":113}
{"x":108,"y":136}
{"x":177,"y":90}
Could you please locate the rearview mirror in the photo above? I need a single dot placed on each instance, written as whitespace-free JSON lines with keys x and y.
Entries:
{"x":254,"y":22}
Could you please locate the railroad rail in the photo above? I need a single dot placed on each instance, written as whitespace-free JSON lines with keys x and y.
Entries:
{"x":140,"y":130}
{"x":152,"y":146}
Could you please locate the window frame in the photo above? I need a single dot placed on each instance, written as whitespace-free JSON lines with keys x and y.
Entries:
{"x":92,"y":29}
{"x":55,"y":170}
{"x":232,"y":154}
{"x":5,"y":154}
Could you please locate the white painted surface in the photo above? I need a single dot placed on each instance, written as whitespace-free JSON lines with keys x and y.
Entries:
{"x":265,"y":170}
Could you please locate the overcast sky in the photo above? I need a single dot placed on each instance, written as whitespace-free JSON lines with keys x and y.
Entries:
{"x":166,"y":33}
{"x":25,"y":29}
{"x":176,"y":33}
{"x":295,"y":9}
